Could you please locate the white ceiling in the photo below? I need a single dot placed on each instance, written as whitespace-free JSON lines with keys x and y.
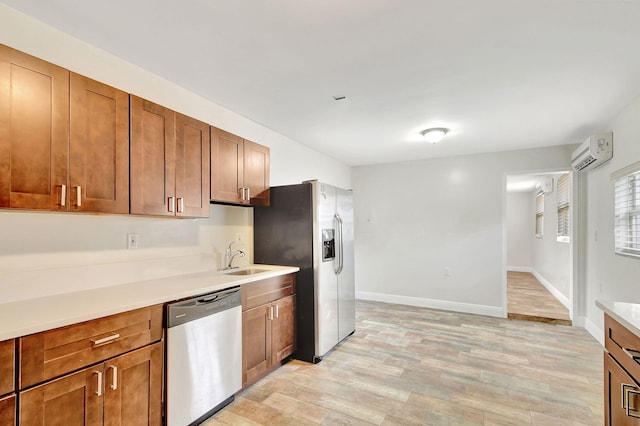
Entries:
{"x":501,"y":74}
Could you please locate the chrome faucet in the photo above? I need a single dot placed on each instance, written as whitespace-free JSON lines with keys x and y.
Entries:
{"x":229,"y":255}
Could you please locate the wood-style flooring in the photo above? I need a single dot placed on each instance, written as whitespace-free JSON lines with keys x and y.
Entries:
{"x":415,"y":366}
{"x":528,"y":299}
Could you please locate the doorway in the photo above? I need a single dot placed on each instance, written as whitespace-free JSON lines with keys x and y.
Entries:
{"x":539,"y":265}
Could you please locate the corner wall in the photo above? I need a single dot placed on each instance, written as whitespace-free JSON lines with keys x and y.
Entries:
{"x":416,"y":219}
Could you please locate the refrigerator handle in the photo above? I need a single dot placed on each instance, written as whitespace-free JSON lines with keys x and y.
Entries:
{"x":339,"y":245}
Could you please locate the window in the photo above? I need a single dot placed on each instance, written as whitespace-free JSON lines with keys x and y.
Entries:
{"x":627,"y":210}
{"x":540,"y":214}
{"x":563,"y":201}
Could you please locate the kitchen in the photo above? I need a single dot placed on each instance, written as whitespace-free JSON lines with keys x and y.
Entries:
{"x":80,"y":250}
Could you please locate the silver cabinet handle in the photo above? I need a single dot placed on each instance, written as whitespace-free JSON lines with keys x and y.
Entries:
{"x":99,"y":391}
{"x":180,"y":205}
{"x":270,"y":313}
{"x":114,"y":377}
{"x":104,"y":340}
{"x":277,"y":311}
{"x":172,"y":204}
{"x":63,"y":195}
{"x":627,"y":391}
{"x":248,"y":194}
{"x":241,"y":190}
{"x":78,"y":196}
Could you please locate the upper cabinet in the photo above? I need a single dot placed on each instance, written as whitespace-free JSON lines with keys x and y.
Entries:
{"x":34,"y":128}
{"x":169,"y":156}
{"x":64,"y":139}
{"x":98,"y":147}
{"x":239,"y":170}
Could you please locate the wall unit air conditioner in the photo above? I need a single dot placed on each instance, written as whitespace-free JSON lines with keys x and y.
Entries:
{"x":592,"y":153}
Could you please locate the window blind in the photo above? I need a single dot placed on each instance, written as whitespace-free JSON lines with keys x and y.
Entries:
{"x":540,"y":214}
{"x":563,"y":200}
{"x":627,"y":214}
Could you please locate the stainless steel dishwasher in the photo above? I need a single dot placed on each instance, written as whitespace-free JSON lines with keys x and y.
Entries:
{"x":204,"y":355}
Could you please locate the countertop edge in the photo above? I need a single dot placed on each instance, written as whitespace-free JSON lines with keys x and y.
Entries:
{"x":30,"y":316}
{"x":627,"y":314}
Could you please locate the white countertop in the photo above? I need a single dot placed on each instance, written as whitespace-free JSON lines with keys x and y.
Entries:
{"x":25,"y":317}
{"x":627,"y":314}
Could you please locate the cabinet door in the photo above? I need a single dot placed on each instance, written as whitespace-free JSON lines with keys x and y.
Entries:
{"x":192,"y":167}
{"x":98,"y":147}
{"x":34,"y":128}
{"x":72,"y":400}
{"x":227,"y":166}
{"x":256,"y":172}
{"x":256,"y":343}
{"x":8,"y":410}
{"x":616,"y":397}
{"x":7,"y":366}
{"x":284,"y":328}
{"x":152,"y":158}
{"x":133,"y":388}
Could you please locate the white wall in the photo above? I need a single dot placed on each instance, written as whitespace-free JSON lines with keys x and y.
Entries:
{"x":414,"y":219}
{"x":609,"y":276}
{"x":551,"y":258}
{"x":43,"y":253}
{"x":520,"y":231}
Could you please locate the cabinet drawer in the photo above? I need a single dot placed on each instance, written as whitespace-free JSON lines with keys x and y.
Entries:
{"x":56,"y":352}
{"x":623,"y":345}
{"x":266,"y":291}
{"x":8,"y":410}
{"x":7,"y":366}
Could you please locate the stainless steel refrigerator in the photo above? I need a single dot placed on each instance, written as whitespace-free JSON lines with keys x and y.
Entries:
{"x":310,"y":225}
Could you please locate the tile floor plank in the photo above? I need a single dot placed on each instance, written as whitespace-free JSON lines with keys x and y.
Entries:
{"x":416,"y":366}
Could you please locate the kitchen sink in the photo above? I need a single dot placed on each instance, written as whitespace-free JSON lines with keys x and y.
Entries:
{"x":246,"y":272}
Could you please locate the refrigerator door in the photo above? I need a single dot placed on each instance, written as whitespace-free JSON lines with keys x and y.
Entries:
{"x":346,"y":278}
{"x":326,"y":295}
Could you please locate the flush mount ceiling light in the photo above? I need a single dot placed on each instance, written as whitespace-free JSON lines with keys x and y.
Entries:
{"x":434,"y":135}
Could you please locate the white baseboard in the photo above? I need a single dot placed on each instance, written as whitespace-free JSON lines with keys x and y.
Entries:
{"x":492,"y":311}
{"x":519,"y":269}
{"x":554,"y":291}
{"x":594,"y":330}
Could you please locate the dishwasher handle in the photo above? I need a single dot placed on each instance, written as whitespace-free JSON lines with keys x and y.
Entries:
{"x":184,"y":311}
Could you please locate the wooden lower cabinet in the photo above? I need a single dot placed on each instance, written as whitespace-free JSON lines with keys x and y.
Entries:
{"x":621,"y":392}
{"x":8,"y":410}
{"x":7,"y":366}
{"x":268,"y":337}
{"x":125,"y":390}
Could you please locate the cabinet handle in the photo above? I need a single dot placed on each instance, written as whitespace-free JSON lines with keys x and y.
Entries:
{"x":248,"y":194}
{"x":241,"y":191}
{"x":99,"y":391}
{"x":270,"y":313}
{"x":633,"y":354}
{"x":78,"y":196}
{"x":114,"y":377}
{"x":172,"y":204}
{"x":180,"y":205}
{"x":627,"y":391}
{"x":63,"y":195}
{"x":277,"y":311}
{"x":104,"y":340}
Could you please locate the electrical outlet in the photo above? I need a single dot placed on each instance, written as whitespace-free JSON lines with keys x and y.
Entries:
{"x":238,"y":238}
{"x":132,"y":241}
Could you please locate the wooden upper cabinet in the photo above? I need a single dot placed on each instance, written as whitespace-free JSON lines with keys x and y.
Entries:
{"x":227,"y":163}
{"x":153,"y":142}
{"x":239,"y":169}
{"x":192,"y":167}
{"x":99,"y":147}
{"x":34,"y":128}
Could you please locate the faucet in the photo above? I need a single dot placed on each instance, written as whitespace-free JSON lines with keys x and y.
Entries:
{"x":229,"y":255}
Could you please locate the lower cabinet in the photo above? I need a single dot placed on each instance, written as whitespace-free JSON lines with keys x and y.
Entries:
{"x":125,"y":390}
{"x":8,"y":410}
{"x":268,"y":330}
{"x":623,"y":395}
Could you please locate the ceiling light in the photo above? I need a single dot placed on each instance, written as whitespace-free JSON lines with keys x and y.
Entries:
{"x":434,"y":135}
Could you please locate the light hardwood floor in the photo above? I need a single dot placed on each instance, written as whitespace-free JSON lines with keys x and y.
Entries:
{"x":529,"y":300}
{"x":415,"y":366}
